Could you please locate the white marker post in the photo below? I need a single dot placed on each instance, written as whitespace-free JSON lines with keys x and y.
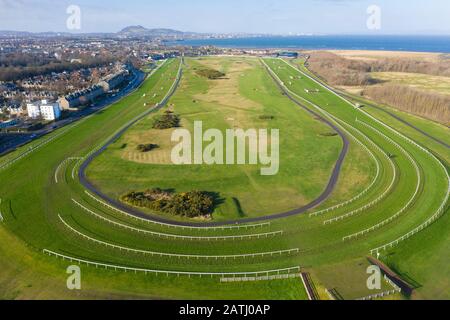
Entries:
{"x":1,"y":217}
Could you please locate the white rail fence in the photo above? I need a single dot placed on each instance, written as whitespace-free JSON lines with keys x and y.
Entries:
{"x":168,"y":225}
{"x":265,"y":273}
{"x":408,"y":204}
{"x":181,"y":237}
{"x":63,"y":163}
{"x":1,"y":216}
{"x":336,"y":121}
{"x":41,"y":144}
{"x":365,"y":191}
{"x":396,"y":289}
{"x":305,"y":286}
{"x":187,"y":256}
{"x":75,"y":168}
{"x":127,"y":227}
{"x":330,"y":295}
{"x":383,"y":195}
{"x":264,"y":278}
{"x":367,"y":206}
{"x":379,"y":198}
{"x":440,"y":211}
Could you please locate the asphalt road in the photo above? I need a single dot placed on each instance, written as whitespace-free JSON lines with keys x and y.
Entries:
{"x":135,"y":212}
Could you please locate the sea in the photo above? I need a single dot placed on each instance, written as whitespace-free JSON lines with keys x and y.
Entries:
{"x":328,"y":42}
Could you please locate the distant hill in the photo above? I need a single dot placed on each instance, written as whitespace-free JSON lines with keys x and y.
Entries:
{"x":50,"y":34}
{"x":140,"y":31}
{"x":128,"y":32}
{"x":14,"y":33}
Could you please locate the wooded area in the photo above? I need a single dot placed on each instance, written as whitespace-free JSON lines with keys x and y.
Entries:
{"x":340,"y":71}
{"x":433,"y":106}
{"x":17,"y":66}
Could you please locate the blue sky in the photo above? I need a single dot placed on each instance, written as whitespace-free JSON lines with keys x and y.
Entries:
{"x":225,"y":16}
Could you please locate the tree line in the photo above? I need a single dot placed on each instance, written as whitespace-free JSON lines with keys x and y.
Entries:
{"x":429,"y":105}
{"x":14,"y":72}
{"x":337,"y":70}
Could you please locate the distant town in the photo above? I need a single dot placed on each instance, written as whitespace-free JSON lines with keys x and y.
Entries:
{"x":50,"y":80}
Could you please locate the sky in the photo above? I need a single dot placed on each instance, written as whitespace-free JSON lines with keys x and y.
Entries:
{"x":232,"y":16}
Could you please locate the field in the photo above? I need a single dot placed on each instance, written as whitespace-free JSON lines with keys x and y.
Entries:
{"x":391,"y":198}
{"x":416,"y":80}
{"x":366,"y":55}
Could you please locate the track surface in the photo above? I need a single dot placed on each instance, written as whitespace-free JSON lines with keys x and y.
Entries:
{"x":137,"y":213}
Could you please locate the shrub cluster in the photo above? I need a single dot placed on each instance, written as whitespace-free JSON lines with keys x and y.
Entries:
{"x":211,"y":74}
{"x":166,"y":121}
{"x":266,"y":117}
{"x":187,"y":204}
{"x":329,"y":134}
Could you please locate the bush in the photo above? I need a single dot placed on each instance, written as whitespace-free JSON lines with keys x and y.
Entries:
{"x":211,"y":74}
{"x":166,"y":121}
{"x":329,"y":134}
{"x":188,"y":204}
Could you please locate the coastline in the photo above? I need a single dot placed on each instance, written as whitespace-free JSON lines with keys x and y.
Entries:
{"x":419,"y":44}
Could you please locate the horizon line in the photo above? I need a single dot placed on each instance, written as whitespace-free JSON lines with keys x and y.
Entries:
{"x":290,"y":34}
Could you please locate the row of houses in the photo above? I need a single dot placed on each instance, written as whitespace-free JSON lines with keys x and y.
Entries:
{"x":82,"y":98}
{"x":51,"y":111}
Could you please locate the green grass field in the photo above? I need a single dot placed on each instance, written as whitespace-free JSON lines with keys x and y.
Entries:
{"x":388,"y":187}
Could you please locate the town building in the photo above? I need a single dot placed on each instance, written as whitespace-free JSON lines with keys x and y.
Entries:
{"x":113,"y":81}
{"x":48,"y":111}
{"x":81,"y":98}
{"x":51,"y":112}
{"x":33,"y":110}
{"x":288,"y":54}
{"x":15,"y":110}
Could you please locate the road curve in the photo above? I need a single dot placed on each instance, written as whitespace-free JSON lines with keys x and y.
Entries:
{"x":137,"y":213}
